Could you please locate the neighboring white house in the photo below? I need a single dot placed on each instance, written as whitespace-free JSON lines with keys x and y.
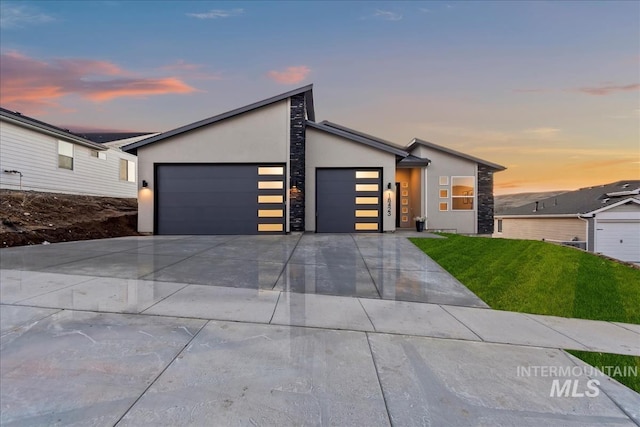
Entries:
{"x":36,"y":156}
{"x":268,"y":167}
{"x":605,"y":217}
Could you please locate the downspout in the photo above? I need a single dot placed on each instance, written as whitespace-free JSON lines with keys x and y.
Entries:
{"x":586,"y":221}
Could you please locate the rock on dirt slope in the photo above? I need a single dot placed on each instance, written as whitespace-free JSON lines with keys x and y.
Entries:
{"x":31,"y":218}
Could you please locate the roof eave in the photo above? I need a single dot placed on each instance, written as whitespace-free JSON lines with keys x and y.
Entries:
{"x":611,"y":206}
{"x":53,"y":132}
{"x":417,"y":141}
{"x":361,"y":134}
{"x":131,"y":148}
{"x":369,"y":142}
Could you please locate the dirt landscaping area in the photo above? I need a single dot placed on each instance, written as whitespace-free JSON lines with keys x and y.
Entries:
{"x":33,"y":218}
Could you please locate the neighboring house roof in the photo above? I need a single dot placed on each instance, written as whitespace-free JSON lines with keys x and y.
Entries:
{"x":307,"y":90}
{"x":42,"y":127}
{"x":102,"y":137}
{"x":581,"y":202}
{"x":119,"y":143}
{"x":416,"y":141}
{"x":357,"y":137}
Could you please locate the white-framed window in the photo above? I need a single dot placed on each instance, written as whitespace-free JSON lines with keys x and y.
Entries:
{"x":444,"y":206}
{"x":127,"y":170}
{"x":499,"y":226}
{"x":65,"y":155}
{"x":463,"y":191}
{"x":444,"y":180}
{"x":444,"y":193}
{"x":99,"y":154}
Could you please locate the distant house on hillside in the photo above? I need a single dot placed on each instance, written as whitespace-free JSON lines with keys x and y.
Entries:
{"x":606,"y":217}
{"x":37,"y":156}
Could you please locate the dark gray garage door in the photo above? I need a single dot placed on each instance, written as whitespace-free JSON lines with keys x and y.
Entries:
{"x":219,"y":199}
{"x":348,"y":200}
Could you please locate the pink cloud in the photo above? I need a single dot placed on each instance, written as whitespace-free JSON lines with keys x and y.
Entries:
{"x":192,"y":71}
{"x":182,"y":65}
{"x":608,"y":90}
{"x":291,"y":75}
{"x":30,"y":85}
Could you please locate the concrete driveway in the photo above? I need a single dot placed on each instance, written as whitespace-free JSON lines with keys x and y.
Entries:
{"x":283,"y":330}
{"x":371,"y":266}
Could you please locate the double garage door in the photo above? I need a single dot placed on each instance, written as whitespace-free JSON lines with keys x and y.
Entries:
{"x":250,"y":199}
{"x":219,"y":199}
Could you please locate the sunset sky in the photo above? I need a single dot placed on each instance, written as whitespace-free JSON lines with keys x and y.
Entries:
{"x":551,"y":90}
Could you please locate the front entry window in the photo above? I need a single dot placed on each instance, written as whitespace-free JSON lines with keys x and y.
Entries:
{"x":463,"y":189}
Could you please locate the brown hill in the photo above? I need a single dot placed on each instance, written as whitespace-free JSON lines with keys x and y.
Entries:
{"x":30,"y":217}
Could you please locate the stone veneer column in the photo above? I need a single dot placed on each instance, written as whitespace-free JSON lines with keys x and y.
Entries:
{"x":297,"y":162}
{"x":485,"y":199}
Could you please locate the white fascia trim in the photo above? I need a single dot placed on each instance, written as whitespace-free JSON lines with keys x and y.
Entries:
{"x":537,"y":216}
{"x":621,"y":202}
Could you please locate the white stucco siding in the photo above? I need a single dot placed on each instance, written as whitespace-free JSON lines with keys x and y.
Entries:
{"x":324,"y":150}
{"x":258,"y":136}
{"x":443,"y":164}
{"x":36,"y":156}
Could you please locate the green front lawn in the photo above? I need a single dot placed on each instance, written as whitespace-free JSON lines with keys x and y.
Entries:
{"x":541,"y":278}
{"x":628,"y":366}
{"x":536,"y":277}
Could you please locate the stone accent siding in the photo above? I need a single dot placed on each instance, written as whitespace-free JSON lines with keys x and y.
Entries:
{"x":297,"y":162}
{"x":485,"y":199}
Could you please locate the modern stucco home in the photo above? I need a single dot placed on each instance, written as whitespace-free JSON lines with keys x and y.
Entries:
{"x":605,"y":218}
{"x":269,"y":167}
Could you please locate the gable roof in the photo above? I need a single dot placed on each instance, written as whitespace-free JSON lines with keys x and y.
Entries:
{"x":48,"y":129}
{"x":306,"y":90}
{"x":362,"y":134}
{"x":358,"y":137}
{"x":581,"y":202}
{"x":416,"y":141}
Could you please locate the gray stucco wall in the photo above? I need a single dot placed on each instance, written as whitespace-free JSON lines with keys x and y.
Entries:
{"x":259,"y":136}
{"x":326,"y":150}
{"x":444,"y":164}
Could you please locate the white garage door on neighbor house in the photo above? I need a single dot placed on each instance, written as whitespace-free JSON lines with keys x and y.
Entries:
{"x":619,"y":240}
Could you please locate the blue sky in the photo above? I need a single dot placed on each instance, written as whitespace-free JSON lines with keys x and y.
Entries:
{"x":548,"y":89}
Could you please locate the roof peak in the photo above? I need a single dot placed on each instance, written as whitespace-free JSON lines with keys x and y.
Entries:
{"x":418,"y":141}
{"x":307,"y":90}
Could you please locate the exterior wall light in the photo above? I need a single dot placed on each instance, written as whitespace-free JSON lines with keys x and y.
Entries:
{"x":145,"y":184}
{"x":389,"y":186}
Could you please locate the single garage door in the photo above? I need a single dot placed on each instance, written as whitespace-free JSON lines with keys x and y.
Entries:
{"x":348,"y":200}
{"x":219,"y":199}
{"x":619,"y":240}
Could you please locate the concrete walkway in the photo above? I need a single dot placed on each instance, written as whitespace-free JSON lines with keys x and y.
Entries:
{"x":122,"y":341}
